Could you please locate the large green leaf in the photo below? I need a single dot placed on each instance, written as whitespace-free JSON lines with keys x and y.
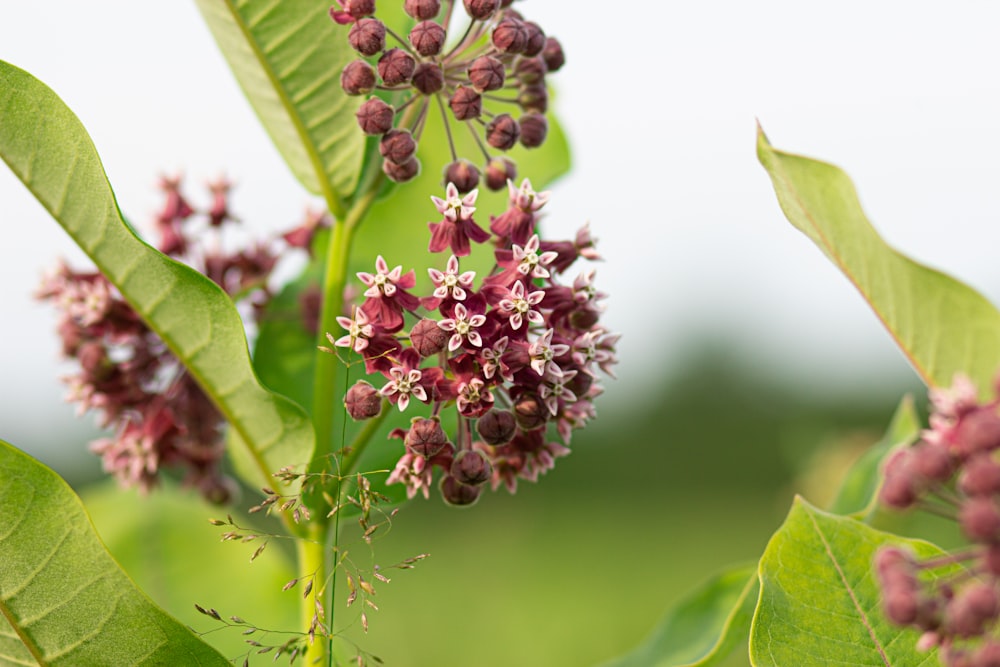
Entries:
{"x":704,"y":628}
{"x":943,"y":326}
{"x":859,"y":489}
{"x":287,"y":56}
{"x":65,"y":600}
{"x":49,"y":150}
{"x":819,"y":600}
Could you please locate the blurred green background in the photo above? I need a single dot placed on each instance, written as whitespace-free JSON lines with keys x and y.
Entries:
{"x":662,"y":491}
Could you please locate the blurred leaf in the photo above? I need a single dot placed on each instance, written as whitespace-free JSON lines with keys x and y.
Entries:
{"x":943,"y":326}
{"x":819,"y":599}
{"x":65,"y":600}
{"x":858,"y":492}
{"x":704,"y":628}
{"x":49,"y":150}
{"x":154,"y":537}
{"x":287,"y":57}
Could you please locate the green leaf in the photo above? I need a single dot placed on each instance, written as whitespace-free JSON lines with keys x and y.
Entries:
{"x":704,"y":628}
{"x":943,"y":326}
{"x":287,"y":56}
{"x":858,"y":492}
{"x":819,"y":599}
{"x":49,"y":150}
{"x":65,"y":600}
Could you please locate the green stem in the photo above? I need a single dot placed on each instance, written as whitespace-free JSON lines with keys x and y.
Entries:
{"x":313,"y":561}
{"x":362,"y":439}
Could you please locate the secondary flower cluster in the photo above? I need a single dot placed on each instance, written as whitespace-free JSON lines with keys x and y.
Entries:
{"x":500,"y":59}
{"x":954,"y":471}
{"x":514,"y":352}
{"x":160,"y":416}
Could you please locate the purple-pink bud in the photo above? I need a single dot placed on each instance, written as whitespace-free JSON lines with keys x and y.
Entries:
{"x":422,"y":9}
{"x":375,"y":116}
{"x":534,"y":97}
{"x":396,"y":67}
{"x":980,"y":476}
{"x":397,"y":146}
{"x":481,"y":10}
{"x":534,"y":128}
{"x":980,"y":519}
{"x":363,"y":401}
{"x":536,"y":39}
{"x":427,"y":338}
{"x":972,"y":609}
{"x":460,"y":495}
{"x":425,"y":437}
{"x":530,"y":71}
{"x":463,"y":174}
{"x":497,"y":427}
{"x":367,"y":36}
{"x":530,"y":412}
{"x":499,"y":170}
{"x":471,"y":467}
{"x":509,"y":36}
{"x":428,"y":78}
{"x":486,"y":73}
{"x":427,"y":38}
{"x":400,"y":173}
{"x":553,"y":54}
{"x":466,"y":103}
{"x":502,"y":132}
{"x":979,"y":430}
{"x":358,"y":78}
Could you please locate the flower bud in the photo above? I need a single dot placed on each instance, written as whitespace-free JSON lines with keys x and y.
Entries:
{"x":980,"y":519}
{"x":367,"y":36}
{"x":397,"y":146}
{"x":396,"y":67}
{"x":375,"y":116}
{"x":553,"y":54}
{"x":498,"y":172}
{"x":460,"y":495}
{"x":93,"y":359}
{"x":358,"y":78}
{"x":363,"y":401}
{"x":466,"y":103}
{"x":471,"y":467}
{"x":359,"y":8}
{"x":480,"y":10}
{"x":422,"y":9}
{"x":530,"y":412}
{"x":972,"y":609}
{"x":534,"y":98}
{"x":427,"y":338}
{"x":530,"y":71}
{"x":428,"y":78}
{"x":510,"y":36}
{"x":502,"y":132}
{"x":536,"y":39}
{"x":463,"y":174}
{"x":979,"y":430}
{"x":980,"y":476}
{"x":486,"y":73}
{"x":400,"y":173}
{"x":427,"y":38}
{"x":534,"y":127}
{"x":425,"y":437}
{"x":497,"y":427}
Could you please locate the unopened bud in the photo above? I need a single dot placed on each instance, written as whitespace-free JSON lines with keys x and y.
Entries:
{"x":367,"y":36}
{"x":397,"y":146}
{"x":363,"y":401}
{"x":980,"y":476}
{"x":979,"y":430}
{"x":466,"y":103}
{"x":534,"y":128}
{"x":400,"y":173}
{"x":481,"y":10}
{"x":553,"y":54}
{"x":486,"y":73}
{"x":530,"y":71}
{"x":536,"y":39}
{"x":463,"y":174}
{"x":359,"y":8}
{"x":425,"y":437}
{"x":534,"y":98}
{"x":497,"y":427}
{"x":428,"y":78}
{"x":972,"y":609}
{"x":358,"y":78}
{"x":530,"y":412}
{"x":375,"y":116}
{"x":510,"y":36}
{"x":471,"y":467}
{"x":502,"y":132}
{"x":427,"y":37}
{"x":980,"y":520}
{"x":396,"y":67}
{"x":427,"y":338}
{"x":460,"y":495}
{"x":422,"y":9}
{"x":499,"y":170}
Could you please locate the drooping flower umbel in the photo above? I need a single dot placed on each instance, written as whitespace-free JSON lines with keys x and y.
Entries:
{"x":159,"y":416}
{"x":493,"y":71}
{"x":953,"y":471}
{"x":516,"y":353}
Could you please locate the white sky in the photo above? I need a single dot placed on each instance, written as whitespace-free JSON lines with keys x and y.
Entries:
{"x":660,"y":103}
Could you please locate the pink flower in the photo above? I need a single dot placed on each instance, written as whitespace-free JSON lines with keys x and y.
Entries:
{"x":543,"y":351}
{"x":451,"y":284}
{"x":359,"y":332}
{"x":387,"y":297}
{"x":520,"y":306}
{"x":404,"y":383}
{"x":458,"y":227}
{"x":464,"y":325}
{"x":518,"y":222}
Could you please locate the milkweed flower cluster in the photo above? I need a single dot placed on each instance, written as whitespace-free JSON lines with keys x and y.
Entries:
{"x":954,"y":471}
{"x":514,"y":352}
{"x":159,"y":415}
{"x":498,"y":64}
